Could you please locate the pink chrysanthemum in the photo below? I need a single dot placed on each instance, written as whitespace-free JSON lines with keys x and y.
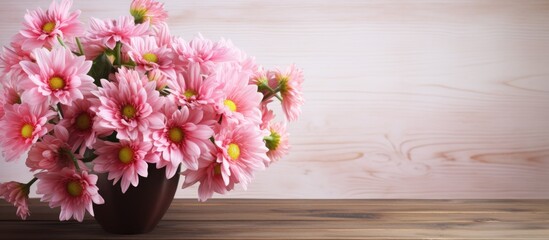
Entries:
{"x":207,"y":53}
{"x":210,"y":174}
{"x":192,"y":89}
{"x":57,"y":76}
{"x":10,"y":94}
{"x":149,"y":56}
{"x":78,"y":119}
{"x":159,"y":78}
{"x":126,"y":160}
{"x":130,"y":106}
{"x":108,"y":32}
{"x":74,"y":192}
{"x":148,"y":10}
{"x":241,"y":101}
{"x":242,"y":149}
{"x":290,"y":89}
{"x":183,"y":139}
{"x":53,"y":152}
{"x":277,"y":142}
{"x":21,"y":127}
{"x":17,"y":194}
{"x":10,"y":59}
{"x":41,"y":28}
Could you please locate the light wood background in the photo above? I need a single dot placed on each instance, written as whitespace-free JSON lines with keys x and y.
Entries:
{"x":405,"y":99}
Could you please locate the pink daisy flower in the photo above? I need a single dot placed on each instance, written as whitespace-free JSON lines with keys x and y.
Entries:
{"x":10,"y":59}
{"x":210,"y":175}
{"x":148,"y":10}
{"x":129,"y":106}
{"x":290,"y":89}
{"x":149,"y":56}
{"x":242,"y":151}
{"x":17,"y":194}
{"x":41,"y":28}
{"x":192,"y":89}
{"x":208,"y":53}
{"x":159,"y":78}
{"x":74,"y":192}
{"x":126,"y":160}
{"x":22,"y":125}
{"x":53,"y":152}
{"x":59,"y":76}
{"x":183,"y":139}
{"x":163,"y":36}
{"x":9,"y":95}
{"x":241,"y":101}
{"x":78,"y":119}
{"x":277,"y":142}
{"x":108,"y":32}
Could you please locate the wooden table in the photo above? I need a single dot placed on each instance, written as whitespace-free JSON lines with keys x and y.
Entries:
{"x":309,"y":219}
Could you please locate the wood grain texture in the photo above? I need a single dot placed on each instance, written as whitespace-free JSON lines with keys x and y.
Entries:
{"x":405,"y":99}
{"x":310,"y":219}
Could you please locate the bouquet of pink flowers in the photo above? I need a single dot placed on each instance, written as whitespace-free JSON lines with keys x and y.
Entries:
{"x":124,"y":94}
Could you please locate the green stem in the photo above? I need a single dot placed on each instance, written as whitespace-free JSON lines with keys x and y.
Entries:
{"x":268,"y":138}
{"x":117,"y":51}
{"x":277,"y":96}
{"x":31,"y":182}
{"x":60,"y":110}
{"x":74,"y":160}
{"x":61,"y":41}
{"x":80,"y":48}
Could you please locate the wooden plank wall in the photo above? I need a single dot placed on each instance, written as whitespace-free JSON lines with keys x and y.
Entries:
{"x":405,"y":99}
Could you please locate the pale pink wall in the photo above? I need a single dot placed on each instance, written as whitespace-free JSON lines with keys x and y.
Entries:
{"x":405,"y":99}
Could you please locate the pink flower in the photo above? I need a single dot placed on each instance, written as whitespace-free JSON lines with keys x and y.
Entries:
{"x":192,"y":89}
{"x":78,"y":119}
{"x":9,"y":95}
{"x":74,"y":192}
{"x":59,"y":76}
{"x":241,"y":101}
{"x":41,"y":28}
{"x":183,"y":139}
{"x":290,"y":89}
{"x":21,"y":127}
{"x":53,"y":152}
{"x":207,"y":53}
{"x":210,"y":175}
{"x":277,"y":142}
{"x":159,"y":78}
{"x":148,"y":10}
{"x":149,"y":56}
{"x":126,"y":160}
{"x":241,"y":149}
{"x":108,"y":32}
{"x":129,"y":106}
{"x":10,"y":59}
{"x":17,"y":194}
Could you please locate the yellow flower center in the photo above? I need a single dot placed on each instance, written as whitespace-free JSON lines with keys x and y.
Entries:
{"x":125,"y":154}
{"x":234,"y":151}
{"x":150,"y":57}
{"x":56,"y":83}
{"x":176,"y":134}
{"x":217,"y":169}
{"x":74,"y":188}
{"x":83,"y":121}
{"x":129,"y":111}
{"x":230,"y":104}
{"x":26,"y":130}
{"x":48,"y":27}
{"x":189,"y":93}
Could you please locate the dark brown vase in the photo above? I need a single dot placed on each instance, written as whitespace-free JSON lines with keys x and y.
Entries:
{"x":139,"y":209}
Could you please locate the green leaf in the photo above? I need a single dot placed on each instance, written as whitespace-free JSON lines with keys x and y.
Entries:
{"x":101,"y":68}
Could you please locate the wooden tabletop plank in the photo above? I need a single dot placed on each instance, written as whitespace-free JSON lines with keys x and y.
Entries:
{"x":309,"y":219}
